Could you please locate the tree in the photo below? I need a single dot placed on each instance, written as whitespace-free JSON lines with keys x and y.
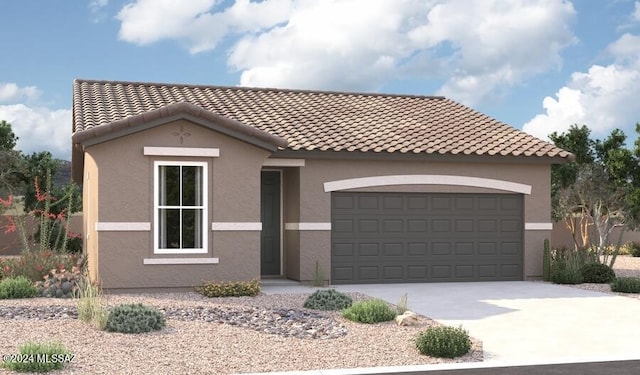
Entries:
{"x":10,"y":160}
{"x":599,"y":191}
{"x":8,"y":139}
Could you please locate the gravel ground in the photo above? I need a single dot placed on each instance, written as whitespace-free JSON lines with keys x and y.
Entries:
{"x":200,"y":347}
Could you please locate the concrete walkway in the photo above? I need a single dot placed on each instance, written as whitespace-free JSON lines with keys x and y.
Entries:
{"x":519,"y":322}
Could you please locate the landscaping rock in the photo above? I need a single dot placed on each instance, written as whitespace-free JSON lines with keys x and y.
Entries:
{"x":409,"y":318}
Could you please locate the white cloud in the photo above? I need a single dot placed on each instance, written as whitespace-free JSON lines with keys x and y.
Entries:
{"x":96,"y":8}
{"x":636,"y":12}
{"x":40,"y":129}
{"x":192,"y":23}
{"x":11,"y":92}
{"x":477,"y":48}
{"x":603,"y":98}
{"x":497,"y":44}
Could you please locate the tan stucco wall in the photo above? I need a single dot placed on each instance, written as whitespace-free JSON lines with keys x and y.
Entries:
{"x":126,"y":195}
{"x":90,"y":214}
{"x":316,"y":205}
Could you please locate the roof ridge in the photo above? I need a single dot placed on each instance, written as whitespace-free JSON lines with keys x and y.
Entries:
{"x":264,"y":89}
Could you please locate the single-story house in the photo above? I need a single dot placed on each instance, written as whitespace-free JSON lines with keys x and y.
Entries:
{"x":184,"y":183}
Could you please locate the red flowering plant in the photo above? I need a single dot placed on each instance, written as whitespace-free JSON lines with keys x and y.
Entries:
{"x":48,"y":248}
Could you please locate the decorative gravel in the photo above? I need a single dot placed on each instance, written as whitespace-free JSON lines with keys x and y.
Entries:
{"x":216,"y":336}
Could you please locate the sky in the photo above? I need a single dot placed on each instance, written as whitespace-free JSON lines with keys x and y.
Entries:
{"x":537,"y":65}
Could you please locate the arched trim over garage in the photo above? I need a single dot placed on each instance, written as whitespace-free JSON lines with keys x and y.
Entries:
{"x":426,"y":179}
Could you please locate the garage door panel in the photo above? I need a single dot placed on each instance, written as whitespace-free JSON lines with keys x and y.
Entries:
{"x":416,"y":249}
{"x":392,"y":226}
{"x":343,"y":226}
{"x":368,"y":249}
{"x":343,"y":249}
{"x":414,"y":237}
{"x":464,"y":248}
{"x":393,"y":249}
{"x":367,"y":202}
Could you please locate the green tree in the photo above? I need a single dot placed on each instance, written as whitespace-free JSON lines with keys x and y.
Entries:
{"x":600,"y":190}
{"x":8,"y":139}
{"x":10,"y":161}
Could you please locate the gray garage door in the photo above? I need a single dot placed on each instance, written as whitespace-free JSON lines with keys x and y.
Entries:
{"x":425,"y":237}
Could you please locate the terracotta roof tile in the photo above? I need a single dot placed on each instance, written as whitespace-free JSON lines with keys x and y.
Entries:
{"x":318,"y":120}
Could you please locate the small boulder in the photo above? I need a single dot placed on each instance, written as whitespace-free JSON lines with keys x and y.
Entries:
{"x":409,"y":318}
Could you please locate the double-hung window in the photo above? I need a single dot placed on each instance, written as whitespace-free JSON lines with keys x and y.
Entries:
{"x":180,"y":207}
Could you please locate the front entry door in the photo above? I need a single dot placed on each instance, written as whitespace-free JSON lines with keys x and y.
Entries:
{"x":270,"y":217}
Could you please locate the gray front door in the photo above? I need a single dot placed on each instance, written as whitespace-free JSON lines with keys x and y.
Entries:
{"x":425,"y":237}
{"x":270,"y":217}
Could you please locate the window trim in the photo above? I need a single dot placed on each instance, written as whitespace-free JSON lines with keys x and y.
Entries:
{"x":205,"y":212}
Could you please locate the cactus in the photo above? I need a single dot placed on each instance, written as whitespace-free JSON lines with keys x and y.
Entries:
{"x":546,"y":261}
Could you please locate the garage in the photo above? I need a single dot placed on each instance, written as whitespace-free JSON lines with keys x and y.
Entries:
{"x":425,"y":237}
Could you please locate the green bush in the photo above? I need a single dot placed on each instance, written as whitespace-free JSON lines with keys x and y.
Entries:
{"x":229,"y":288}
{"x":39,"y":357}
{"x":626,"y":285}
{"x":369,"y":311}
{"x":17,"y":287}
{"x":134,"y":318}
{"x":634,"y":248}
{"x":444,"y":342}
{"x":566,"y":267}
{"x":328,"y":299}
{"x":597,"y":273}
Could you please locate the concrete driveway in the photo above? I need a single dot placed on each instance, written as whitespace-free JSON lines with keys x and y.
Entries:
{"x":521,"y":322}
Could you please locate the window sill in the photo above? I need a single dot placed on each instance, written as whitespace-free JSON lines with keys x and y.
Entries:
{"x":153,"y":261}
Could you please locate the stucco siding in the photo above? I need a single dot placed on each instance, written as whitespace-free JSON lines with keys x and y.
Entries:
{"x":90,"y":213}
{"x":126,"y":195}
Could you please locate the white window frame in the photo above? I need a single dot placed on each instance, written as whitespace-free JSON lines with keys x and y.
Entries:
{"x":156,"y":207}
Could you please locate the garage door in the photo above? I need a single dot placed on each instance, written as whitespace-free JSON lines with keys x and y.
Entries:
{"x":425,"y":237}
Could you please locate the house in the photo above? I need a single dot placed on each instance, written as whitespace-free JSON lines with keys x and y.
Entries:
{"x":183,"y":183}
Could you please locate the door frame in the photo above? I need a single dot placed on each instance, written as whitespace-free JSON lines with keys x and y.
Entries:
{"x":281,"y":234}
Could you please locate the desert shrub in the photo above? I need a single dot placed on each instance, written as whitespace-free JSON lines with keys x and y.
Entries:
{"x":90,"y":303}
{"x":229,"y":288}
{"x":403,"y":305}
{"x":17,"y":287}
{"x":328,"y":299}
{"x":39,"y":357}
{"x":566,"y":267}
{"x":134,"y":318}
{"x":634,"y":248}
{"x":35,"y":265}
{"x":369,"y":311}
{"x":444,"y":342}
{"x":60,"y":283}
{"x":597,"y":273}
{"x":626,"y":285}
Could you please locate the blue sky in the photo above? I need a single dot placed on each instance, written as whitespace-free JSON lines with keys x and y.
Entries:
{"x":538,"y":65}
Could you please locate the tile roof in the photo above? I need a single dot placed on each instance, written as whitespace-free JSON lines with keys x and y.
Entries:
{"x":316,"y":120}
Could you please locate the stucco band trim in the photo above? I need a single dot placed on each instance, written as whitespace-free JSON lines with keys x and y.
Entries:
{"x":182,"y":151}
{"x":106,"y":226}
{"x":233,"y":226}
{"x":282,"y":162}
{"x":151,"y":261}
{"x":307,"y":226}
{"x":426,"y":179}
{"x":538,"y":226}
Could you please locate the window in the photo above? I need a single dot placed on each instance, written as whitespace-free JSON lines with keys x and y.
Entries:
{"x":180,"y":207}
